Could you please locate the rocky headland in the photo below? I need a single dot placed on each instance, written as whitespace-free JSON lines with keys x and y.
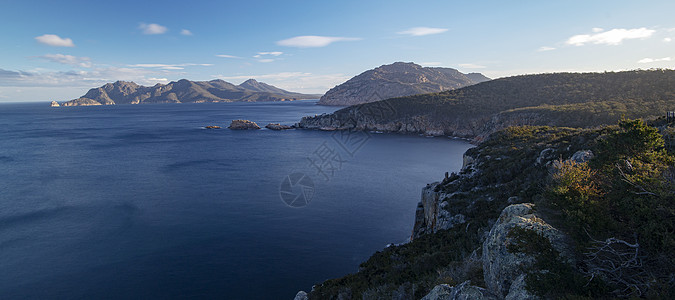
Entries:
{"x":476,"y":111}
{"x":397,"y":80}
{"x":503,"y":228}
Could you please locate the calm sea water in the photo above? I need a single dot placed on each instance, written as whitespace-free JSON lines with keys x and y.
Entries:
{"x":142,"y":202}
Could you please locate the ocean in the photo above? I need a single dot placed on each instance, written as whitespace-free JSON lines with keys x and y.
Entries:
{"x":141,"y":201}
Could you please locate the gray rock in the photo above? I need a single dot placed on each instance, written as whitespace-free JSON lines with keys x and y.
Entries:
{"x":463,"y":291}
{"x":277,"y":126}
{"x":501,"y":268}
{"x":582,"y":156}
{"x":301,"y":295}
{"x":517,"y":291}
{"x":243,"y":124}
{"x":545,"y":155}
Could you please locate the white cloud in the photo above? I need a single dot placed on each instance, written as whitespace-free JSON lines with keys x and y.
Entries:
{"x":545,"y":48}
{"x":611,"y":37}
{"x":168,"y":67}
{"x":302,"y":82}
{"x":310,"y":41}
{"x":667,"y":40}
{"x":55,"y":40}
{"x":420,"y":31}
{"x":266,"y":60}
{"x":652,"y":60}
{"x":273,"y":53}
{"x":472,"y":66}
{"x":186,"y":32}
{"x":597,"y":29}
{"x":227,"y":56}
{"x":84,"y":62}
{"x":76,"y":79}
{"x":152,"y":28}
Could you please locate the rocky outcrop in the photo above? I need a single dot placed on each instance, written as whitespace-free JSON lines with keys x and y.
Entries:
{"x":277,"y":126}
{"x":54,"y":104}
{"x":185,"y":91}
{"x":212,"y":127}
{"x":433,"y":212}
{"x":463,"y":291}
{"x":301,"y":295}
{"x":505,"y":272}
{"x":243,"y":124}
{"x":82,"y":102}
{"x":397,"y":80}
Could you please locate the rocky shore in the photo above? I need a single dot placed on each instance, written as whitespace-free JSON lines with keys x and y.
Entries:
{"x":488,"y":211}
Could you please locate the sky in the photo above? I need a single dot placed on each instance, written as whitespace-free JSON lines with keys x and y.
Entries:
{"x":57,"y":50}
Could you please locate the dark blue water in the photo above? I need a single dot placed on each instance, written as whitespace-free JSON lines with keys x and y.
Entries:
{"x":142,"y":202}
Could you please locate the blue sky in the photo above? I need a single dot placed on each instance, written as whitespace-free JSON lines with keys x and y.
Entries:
{"x":57,"y":50}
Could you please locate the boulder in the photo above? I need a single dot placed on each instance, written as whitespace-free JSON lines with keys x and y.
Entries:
{"x":277,"y":126}
{"x":212,"y":127}
{"x":463,"y":291}
{"x":243,"y":124}
{"x":55,"y":104}
{"x":301,"y":295}
{"x":503,"y":271}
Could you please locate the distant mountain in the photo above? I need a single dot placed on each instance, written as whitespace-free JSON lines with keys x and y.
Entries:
{"x":185,"y":91}
{"x":559,"y":99}
{"x":397,"y":80}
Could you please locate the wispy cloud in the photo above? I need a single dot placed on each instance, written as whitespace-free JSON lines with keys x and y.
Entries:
{"x":545,"y":48}
{"x":152,"y":28}
{"x":168,"y":66}
{"x":311,"y":41}
{"x":54,"y":40}
{"x":185,"y":32}
{"x":265,"y":57}
{"x":667,"y":40}
{"x":472,"y":66}
{"x":79,"y":79}
{"x":273,"y":53}
{"x":84,"y":62}
{"x":420,"y":31}
{"x":612,"y":37}
{"x":653,"y":60}
{"x":227,"y":56}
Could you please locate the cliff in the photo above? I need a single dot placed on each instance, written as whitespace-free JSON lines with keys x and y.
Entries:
{"x":397,"y":80}
{"x":185,"y":91}
{"x":536,"y":212}
{"x":476,"y":111}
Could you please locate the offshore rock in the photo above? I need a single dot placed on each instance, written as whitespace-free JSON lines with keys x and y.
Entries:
{"x":55,"y":104}
{"x":277,"y":126}
{"x":243,"y":124}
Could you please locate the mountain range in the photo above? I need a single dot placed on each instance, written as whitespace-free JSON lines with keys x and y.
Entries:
{"x":397,"y":80}
{"x":185,"y":91}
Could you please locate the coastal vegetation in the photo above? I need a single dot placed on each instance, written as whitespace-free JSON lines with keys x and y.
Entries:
{"x":609,"y":192}
{"x":582,"y":100}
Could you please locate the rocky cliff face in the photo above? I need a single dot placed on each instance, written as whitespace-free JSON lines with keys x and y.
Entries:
{"x":366,"y":118}
{"x":397,"y":80}
{"x":184,"y":91}
{"x":479,"y":213}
